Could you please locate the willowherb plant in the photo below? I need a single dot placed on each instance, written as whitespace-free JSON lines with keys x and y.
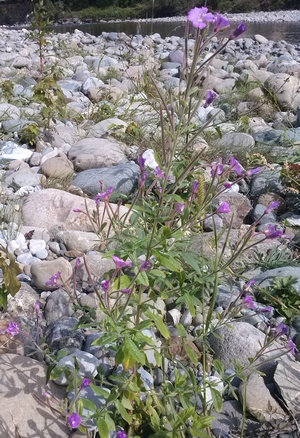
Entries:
{"x":153,"y":262}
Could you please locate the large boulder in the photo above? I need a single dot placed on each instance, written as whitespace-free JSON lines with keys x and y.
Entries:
{"x":286,"y":90}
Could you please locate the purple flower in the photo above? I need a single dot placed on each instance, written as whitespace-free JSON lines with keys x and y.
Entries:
{"x":292,"y":347}
{"x":272,"y":207}
{"x":74,"y":420}
{"x":52,"y":282}
{"x":146,"y":265}
{"x":248,"y":301}
{"x":253,"y":171}
{"x":179,"y":208}
{"x":77,"y":263}
{"x":141,"y":163}
{"x":266,"y":309}
{"x":194,"y":190}
{"x":272,"y":233}
{"x":241,"y":28}
{"x":227,"y":185}
{"x":37,"y":307}
{"x":248,"y":285}
{"x":77,"y":210}
{"x":199,"y":17}
{"x":159,"y":173}
{"x":126,"y":291}
{"x":217,"y":168}
{"x":282,"y":329}
{"x":236,"y":166}
{"x":210,"y":97}
{"x":105,"y":285}
{"x":120,"y":263}
{"x":104,"y":196}
{"x":121,"y":434}
{"x":221,"y":23}
{"x":13,"y":329}
{"x":223,"y":208}
{"x":85,"y":383}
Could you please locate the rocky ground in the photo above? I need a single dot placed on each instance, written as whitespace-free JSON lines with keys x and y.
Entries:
{"x":104,"y":94}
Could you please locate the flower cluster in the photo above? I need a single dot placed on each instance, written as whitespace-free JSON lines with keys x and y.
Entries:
{"x":200,"y":17}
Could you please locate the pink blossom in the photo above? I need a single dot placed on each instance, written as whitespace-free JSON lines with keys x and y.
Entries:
{"x":13,"y":329}
{"x":53,"y":281}
{"x":248,"y":301}
{"x":158,"y":172}
{"x":179,"y":208}
{"x":235,"y":166}
{"x":126,"y":291}
{"x":272,"y":207}
{"x":200,"y":17}
{"x":210,"y":97}
{"x":292,"y":347}
{"x":105,"y":284}
{"x":272,"y":233}
{"x":282,"y":329}
{"x":85,"y":383}
{"x":217,"y":168}
{"x":253,"y":171}
{"x":221,"y":23}
{"x":241,"y":28}
{"x":104,"y":196}
{"x":146,"y":265}
{"x":120,"y":263}
{"x":223,"y":208}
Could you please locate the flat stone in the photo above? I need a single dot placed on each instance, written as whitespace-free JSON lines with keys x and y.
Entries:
{"x":287,"y":378}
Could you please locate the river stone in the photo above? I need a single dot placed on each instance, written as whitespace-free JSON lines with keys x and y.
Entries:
{"x":54,"y":208}
{"x":235,"y":142}
{"x":23,"y":303}
{"x":260,"y":403}
{"x":286,"y":89}
{"x":81,"y":241}
{"x":8,"y":111}
{"x":287,"y":379}
{"x":61,"y":334}
{"x":58,"y":305}
{"x":57,"y":167}
{"x":43,"y":270}
{"x":239,"y":208}
{"x":107,"y":126}
{"x":87,"y":366}
{"x":265,"y":182}
{"x":21,"y":414}
{"x":64,"y":134}
{"x":123,"y":178}
{"x":96,"y":152}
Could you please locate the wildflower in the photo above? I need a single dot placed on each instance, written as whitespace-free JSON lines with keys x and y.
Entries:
{"x":217,"y":168}
{"x":227,"y":185}
{"x":159,"y":173}
{"x":77,"y":263}
{"x":146,"y":265}
{"x":292,"y":347}
{"x":13,"y":329}
{"x":126,"y":291}
{"x":104,"y":196}
{"x":241,"y":28}
{"x":179,"y":208}
{"x":272,"y":233}
{"x":282,"y":329}
{"x":37,"y":307}
{"x":120,"y":263}
{"x":221,"y":23}
{"x":105,"y":284}
{"x":236,"y":166}
{"x":248,"y":301}
{"x":141,"y":163}
{"x":74,"y":420}
{"x":121,"y":434}
{"x":53,"y":280}
{"x":210,"y":97}
{"x":199,"y":17}
{"x":248,"y":285}
{"x":85,"y":383}
{"x":77,"y":210}
{"x":143,"y":179}
{"x":272,"y":206}
{"x":266,"y":309}
{"x":251,"y":172}
{"x":223,"y":208}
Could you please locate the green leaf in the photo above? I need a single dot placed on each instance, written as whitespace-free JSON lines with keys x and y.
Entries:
{"x":191,"y":354}
{"x":183,"y":417}
{"x":133,"y":350}
{"x":122,"y":411}
{"x":189,"y":301}
{"x":102,"y":392}
{"x":160,"y":325}
{"x":158,"y":273}
{"x":167,"y":261}
{"x":192,"y":262}
{"x":122,"y":282}
{"x":217,"y":399}
{"x":142,"y":279}
{"x":219,"y":366}
{"x":102,"y":427}
{"x":108,"y":338}
{"x":88,"y":404}
{"x":126,"y":403}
